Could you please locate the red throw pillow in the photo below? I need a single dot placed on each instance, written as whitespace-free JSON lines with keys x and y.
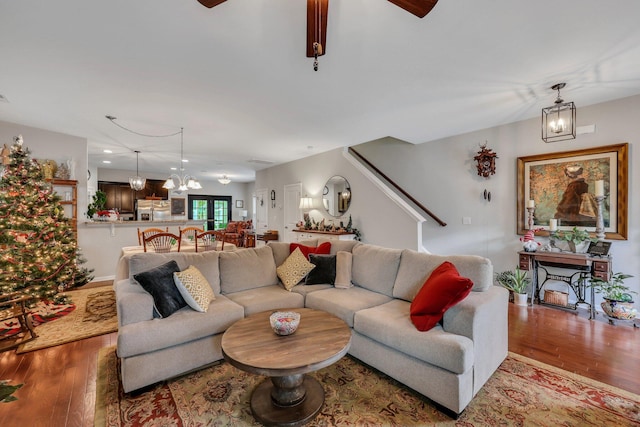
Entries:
{"x":443,"y":289}
{"x":323,"y":249}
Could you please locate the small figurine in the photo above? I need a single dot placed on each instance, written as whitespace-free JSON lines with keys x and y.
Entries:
{"x":530,"y":245}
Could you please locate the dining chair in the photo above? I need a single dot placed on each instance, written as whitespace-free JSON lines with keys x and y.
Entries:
{"x":189,"y":233}
{"x":207,"y":241}
{"x":148,"y":232}
{"x":161,"y":242}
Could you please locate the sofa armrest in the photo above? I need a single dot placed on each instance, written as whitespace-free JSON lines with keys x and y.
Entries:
{"x":482,"y":317}
{"x":133,"y":303}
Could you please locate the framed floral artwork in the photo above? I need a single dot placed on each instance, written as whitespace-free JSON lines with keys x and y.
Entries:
{"x":562,"y":186}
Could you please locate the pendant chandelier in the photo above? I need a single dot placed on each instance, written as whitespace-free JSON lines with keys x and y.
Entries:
{"x":137,"y":182}
{"x":224,"y":180}
{"x":184,"y":182}
{"x":559,"y":120}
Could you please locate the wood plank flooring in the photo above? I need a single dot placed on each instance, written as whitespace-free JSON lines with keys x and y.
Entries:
{"x":60,"y":381}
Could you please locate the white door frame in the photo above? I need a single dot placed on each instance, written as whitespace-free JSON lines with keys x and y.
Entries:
{"x":292,"y":215}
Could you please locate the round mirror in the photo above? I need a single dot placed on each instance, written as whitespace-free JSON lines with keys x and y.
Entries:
{"x":336,"y":196}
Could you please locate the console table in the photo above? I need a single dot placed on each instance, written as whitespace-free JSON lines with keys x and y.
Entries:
{"x":583,"y":266}
{"x":330,"y":235}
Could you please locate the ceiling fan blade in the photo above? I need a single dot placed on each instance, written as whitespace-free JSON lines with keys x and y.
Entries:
{"x":211,"y":3}
{"x":420,"y":8}
{"x":317,"y":25}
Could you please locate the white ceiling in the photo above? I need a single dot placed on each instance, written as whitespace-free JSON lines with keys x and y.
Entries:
{"x":237,"y":79}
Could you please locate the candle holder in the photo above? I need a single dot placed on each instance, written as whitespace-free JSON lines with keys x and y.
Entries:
{"x":599,"y":219}
{"x":530,"y":211}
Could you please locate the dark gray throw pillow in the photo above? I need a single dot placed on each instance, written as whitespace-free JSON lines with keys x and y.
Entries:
{"x":159,"y":283}
{"x":325,"y":271}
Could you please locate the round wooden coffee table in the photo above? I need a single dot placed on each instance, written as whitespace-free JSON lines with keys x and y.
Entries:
{"x":289,"y":398}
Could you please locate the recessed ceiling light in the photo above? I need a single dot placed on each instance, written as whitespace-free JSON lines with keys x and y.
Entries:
{"x":106,"y":161}
{"x":185,"y":161}
{"x":107,"y":151}
{"x":174,"y":169}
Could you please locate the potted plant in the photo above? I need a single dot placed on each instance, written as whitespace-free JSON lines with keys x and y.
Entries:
{"x":517,"y":282}
{"x":99,"y":201}
{"x":618,"y":302}
{"x":577,"y":240}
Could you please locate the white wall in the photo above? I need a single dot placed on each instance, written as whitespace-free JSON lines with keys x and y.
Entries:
{"x":381,"y":221}
{"x":442,"y":175}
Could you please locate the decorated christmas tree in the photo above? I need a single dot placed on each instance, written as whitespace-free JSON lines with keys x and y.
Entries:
{"x":38,"y":250}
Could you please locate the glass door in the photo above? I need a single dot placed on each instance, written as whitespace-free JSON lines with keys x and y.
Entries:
{"x":216,"y":210}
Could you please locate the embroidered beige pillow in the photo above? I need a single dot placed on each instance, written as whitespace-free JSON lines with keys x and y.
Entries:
{"x":294,"y":269}
{"x":194,"y":288}
{"x":343,"y":269}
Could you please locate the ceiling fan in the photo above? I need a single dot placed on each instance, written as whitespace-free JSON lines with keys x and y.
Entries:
{"x":317,"y":20}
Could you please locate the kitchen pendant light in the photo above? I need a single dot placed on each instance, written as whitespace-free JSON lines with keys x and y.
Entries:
{"x":137,"y":182}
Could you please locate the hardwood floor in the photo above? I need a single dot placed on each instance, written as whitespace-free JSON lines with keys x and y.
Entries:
{"x":60,"y":381}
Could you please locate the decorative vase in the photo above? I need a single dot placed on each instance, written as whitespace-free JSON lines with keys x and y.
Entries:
{"x":520,"y":299}
{"x":619,"y":309}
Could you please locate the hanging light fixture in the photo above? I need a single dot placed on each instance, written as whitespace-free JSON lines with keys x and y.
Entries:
{"x":137,"y":182}
{"x":185,"y":182}
{"x":559,"y":120}
{"x":224,"y":180}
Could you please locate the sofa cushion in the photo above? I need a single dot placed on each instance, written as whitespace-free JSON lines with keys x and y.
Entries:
{"x":206,"y":262}
{"x":390,"y":325}
{"x":375,"y":267}
{"x":340,"y":245}
{"x":194,"y":288}
{"x":323,"y":248}
{"x":183,"y":326}
{"x":344,"y":303}
{"x":280,"y":251}
{"x":266,"y":298}
{"x":294,"y":269}
{"x":343,"y":269}
{"x":415,"y":267}
{"x":325,"y":270}
{"x":247,"y":269}
{"x":158,"y":281}
{"x":443,"y":289}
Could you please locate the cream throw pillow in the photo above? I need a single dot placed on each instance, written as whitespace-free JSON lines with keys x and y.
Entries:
{"x":194,"y":288}
{"x":294,"y":269}
{"x":344,"y":260}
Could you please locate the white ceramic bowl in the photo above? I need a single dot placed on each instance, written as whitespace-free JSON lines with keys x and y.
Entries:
{"x":284,"y":322}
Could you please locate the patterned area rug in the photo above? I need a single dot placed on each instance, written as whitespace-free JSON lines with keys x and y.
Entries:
{"x":95,"y":314}
{"x":43,"y":312}
{"x":522,"y":392}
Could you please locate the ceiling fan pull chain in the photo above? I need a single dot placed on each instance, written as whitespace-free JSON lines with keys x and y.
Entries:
{"x":315,"y":56}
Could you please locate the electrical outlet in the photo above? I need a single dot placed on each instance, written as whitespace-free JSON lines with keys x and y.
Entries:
{"x":466,"y":220}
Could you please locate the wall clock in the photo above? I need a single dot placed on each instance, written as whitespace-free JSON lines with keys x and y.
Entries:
{"x":486,"y":161}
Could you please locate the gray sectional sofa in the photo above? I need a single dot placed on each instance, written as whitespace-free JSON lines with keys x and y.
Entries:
{"x":448,"y":364}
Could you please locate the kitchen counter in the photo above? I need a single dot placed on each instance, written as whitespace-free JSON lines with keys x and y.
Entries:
{"x":101,"y":242}
{"x":145,"y":224}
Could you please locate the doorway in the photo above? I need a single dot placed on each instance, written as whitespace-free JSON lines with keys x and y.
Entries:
{"x":215,"y":210}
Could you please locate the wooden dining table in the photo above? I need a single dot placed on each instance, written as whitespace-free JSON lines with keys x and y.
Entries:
{"x":122,"y":268}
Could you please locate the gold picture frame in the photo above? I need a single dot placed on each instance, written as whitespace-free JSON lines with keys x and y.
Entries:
{"x":562,"y":186}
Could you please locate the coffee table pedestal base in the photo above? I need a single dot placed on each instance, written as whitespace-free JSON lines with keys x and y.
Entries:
{"x":301,"y":398}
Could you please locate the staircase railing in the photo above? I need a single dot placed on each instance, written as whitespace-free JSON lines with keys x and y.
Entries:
{"x":396,"y":186}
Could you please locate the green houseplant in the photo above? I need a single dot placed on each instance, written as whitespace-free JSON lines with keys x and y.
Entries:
{"x":618,"y":302}
{"x":98,"y":203}
{"x":575,"y":238}
{"x":517,"y":282}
